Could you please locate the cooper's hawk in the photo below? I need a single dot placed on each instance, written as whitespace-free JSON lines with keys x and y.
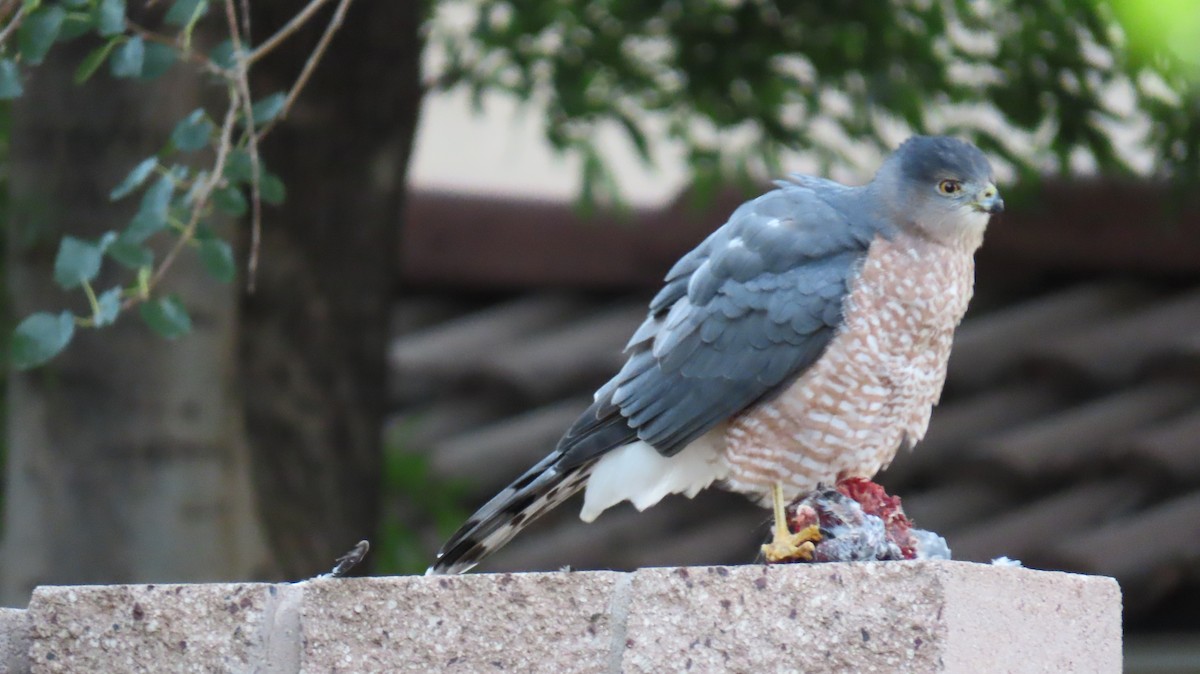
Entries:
{"x":802,"y":343}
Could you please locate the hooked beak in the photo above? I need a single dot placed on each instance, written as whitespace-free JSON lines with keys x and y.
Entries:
{"x":989,"y":200}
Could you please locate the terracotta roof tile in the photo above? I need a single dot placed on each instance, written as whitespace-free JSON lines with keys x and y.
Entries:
{"x":489,"y":457}
{"x":1032,"y":526}
{"x":956,"y":424}
{"x":1073,"y":440}
{"x":949,"y":507}
{"x":446,"y":354}
{"x":1170,"y":449}
{"x":417,"y":428}
{"x":419,"y":311}
{"x":1117,"y":349}
{"x":990,"y":347}
{"x":564,"y":359}
{"x":1149,"y":551}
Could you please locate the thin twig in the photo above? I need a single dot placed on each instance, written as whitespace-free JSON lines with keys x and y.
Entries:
{"x":12,"y":25}
{"x":240,"y":100}
{"x":313,"y":59}
{"x":202,"y":194}
{"x":246,"y":22}
{"x":243,"y":84}
{"x":7,"y":7}
{"x":191,"y":56}
{"x":339,"y":15}
{"x":283,"y":33}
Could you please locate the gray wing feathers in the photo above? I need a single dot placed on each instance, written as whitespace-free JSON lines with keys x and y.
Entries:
{"x":745,"y":312}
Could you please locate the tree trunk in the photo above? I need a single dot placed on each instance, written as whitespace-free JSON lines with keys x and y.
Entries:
{"x":127,"y":457}
{"x":313,"y":338}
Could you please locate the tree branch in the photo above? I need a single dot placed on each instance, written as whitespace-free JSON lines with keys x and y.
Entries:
{"x":314,"y":58}
{"x":243,"y":84}
{"x":190,"y":55}
{"x":16,"y":18}
{"x":246,"y":21}
{"x":283,"y":33}
{"x":203,"y":193}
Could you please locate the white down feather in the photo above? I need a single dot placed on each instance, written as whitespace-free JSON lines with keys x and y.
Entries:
{"x":639,"y":474}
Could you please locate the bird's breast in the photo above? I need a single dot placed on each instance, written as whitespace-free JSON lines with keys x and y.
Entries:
{"x":875,"y":384}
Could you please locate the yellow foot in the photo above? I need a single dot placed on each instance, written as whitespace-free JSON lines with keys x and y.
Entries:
{"x":789,"y":547}
{"x":786,"y":546}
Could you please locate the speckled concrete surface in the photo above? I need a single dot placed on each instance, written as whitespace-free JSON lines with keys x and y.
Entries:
{"x":1014,"y":620}
{"x":866,"y":617}
{"x":554,"y":622}
{"x":831,"y":618}
{"x":14,"y":641}
{"x":150,"y":628}
{"x":873,"y":617}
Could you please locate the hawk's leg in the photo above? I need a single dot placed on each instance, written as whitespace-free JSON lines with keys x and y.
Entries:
{"x":786,"y":546}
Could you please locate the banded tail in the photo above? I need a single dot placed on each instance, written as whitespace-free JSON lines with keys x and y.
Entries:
{"x":551,"y":481}
{"x":535,"y":493}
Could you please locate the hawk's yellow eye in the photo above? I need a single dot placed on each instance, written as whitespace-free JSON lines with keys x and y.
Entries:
{"x":949,"y":186}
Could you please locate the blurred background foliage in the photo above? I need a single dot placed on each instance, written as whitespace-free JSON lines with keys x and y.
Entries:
{"x":413,"y":494}
{"x":1043,"y":85}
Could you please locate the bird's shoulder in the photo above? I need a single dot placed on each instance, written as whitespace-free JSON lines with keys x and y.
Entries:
{"x":746,"y":311}
{"x":801,"y":222}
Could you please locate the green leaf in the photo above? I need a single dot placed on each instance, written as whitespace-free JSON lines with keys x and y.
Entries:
{"x":110,"y":17}
{"x":166,"y":316}
{"x":217,"y":257}
{"x":182,"y":11}
{"x":152,"y":215}
{"x":143,"y":226}
{"x":135,"y":178}
{"x":179,"y":172}
{"x":108,"y":239}
{"x":10,"y":80}
{"x":157,"y":199}
{"x":158,"y":60}
{"x":271,"y":189}
{"x":198,"y":186}
{"x":128,"y":59}
{"x":77,"y":261}
{"x":637,"y":137}
{"x":76,"y":24}
{"x":75,"y":4}
{"x":268,"y":108}
{"x":230,"y":200}
{"x":38,"y":33}
{"x":239,"y":168}
{"x":129,"y":254}
{"x":108,"y":307}
{"x":41,"y":337}
{"x":193,"y":132}
{"x":223,"y":55}
{"x":92,"y":61}
{"x":204,"y":232}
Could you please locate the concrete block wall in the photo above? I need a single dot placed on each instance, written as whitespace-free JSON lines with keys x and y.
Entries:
{"x":885,"y":617}
{"x":14,"y":641}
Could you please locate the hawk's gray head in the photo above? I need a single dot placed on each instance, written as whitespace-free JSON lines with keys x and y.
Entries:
{"x":940,"y":187}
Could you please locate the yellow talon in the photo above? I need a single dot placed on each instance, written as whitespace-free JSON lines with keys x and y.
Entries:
{"x":786,"y":546}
